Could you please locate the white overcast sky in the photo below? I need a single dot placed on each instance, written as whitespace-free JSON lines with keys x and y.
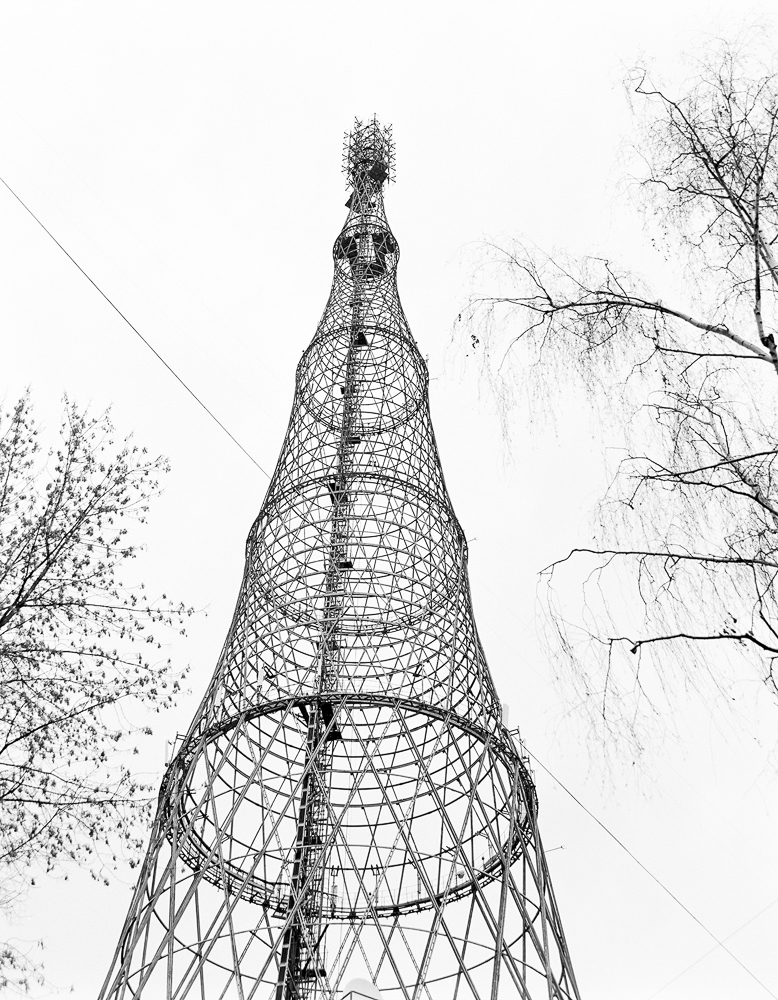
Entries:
{"x":188,"y":156}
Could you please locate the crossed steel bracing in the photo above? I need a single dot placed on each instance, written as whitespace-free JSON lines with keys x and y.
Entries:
{"x":347,"y":800}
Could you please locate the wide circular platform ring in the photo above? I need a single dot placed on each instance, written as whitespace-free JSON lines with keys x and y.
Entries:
{"x":400,"y":828}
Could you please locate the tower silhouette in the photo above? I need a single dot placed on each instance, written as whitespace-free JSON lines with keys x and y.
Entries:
{"x":347,"y":801}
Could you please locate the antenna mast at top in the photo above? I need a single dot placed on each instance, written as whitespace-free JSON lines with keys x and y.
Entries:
{"x":368,"y":150}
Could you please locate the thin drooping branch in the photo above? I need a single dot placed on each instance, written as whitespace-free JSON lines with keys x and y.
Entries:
{"x":636,"y":644}
{"x":664,"y":556}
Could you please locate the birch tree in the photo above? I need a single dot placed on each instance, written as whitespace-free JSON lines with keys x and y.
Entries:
{"x":678,"y":584}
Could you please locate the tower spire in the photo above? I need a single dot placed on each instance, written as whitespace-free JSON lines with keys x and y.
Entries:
{"x":347,"y":800}
{"x":368,"y":156}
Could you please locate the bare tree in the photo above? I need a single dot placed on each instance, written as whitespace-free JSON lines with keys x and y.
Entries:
{"x":680,"y":580}
{"x":77,"y":650}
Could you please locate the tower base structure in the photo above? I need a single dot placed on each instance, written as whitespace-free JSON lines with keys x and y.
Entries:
{"x":429,"y":872}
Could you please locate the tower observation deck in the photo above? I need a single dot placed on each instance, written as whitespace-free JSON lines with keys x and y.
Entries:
{"x":347,"y":801}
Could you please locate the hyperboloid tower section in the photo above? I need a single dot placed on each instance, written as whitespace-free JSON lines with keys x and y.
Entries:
{"x":347,"y":802}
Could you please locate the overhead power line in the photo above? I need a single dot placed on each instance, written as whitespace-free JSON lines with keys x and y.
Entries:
{"x":714,"y":948}
{"x":135,"y":330}
{"x":651,"y":875}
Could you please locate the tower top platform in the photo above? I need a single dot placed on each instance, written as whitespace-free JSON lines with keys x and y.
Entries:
{"x":368,"y":151}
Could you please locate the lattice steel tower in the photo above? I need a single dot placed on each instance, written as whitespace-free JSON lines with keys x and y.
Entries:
{"x":347,"y":801}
